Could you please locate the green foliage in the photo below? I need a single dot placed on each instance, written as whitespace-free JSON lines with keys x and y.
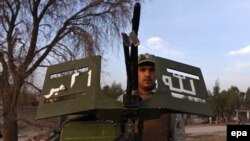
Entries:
{"x":226,"y":102}
{"x":232,"y":100}
{"x":247,"y":98}
{"x":216,"y":88}
{"x":113,"y":91}
{"x":215,"y":98}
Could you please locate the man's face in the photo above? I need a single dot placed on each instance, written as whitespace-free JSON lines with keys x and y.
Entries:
{"x":146,"y":77}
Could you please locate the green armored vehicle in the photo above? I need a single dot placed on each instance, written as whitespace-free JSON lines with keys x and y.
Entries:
{"x":73,"y":88}
{"x":72,"y":91}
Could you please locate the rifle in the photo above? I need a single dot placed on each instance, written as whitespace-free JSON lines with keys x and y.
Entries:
{"x":131,"y":101}
{"x":130,"y":46}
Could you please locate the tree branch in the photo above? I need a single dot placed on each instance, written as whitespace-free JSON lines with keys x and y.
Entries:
{"x":5,"y":73}
{"x":46,"y":7}
{"x":49,"y":47}
{"x":10,"y":39}
{"x":34,"y":86}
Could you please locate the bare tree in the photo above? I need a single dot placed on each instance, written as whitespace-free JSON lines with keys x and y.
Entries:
{"x":36,"y":33}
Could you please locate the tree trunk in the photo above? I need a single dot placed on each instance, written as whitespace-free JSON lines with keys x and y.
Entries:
{"x":10,"y":128}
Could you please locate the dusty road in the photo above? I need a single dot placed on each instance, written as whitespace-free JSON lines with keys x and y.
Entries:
{"x":206,"y":133}
{"x":205,"y":129}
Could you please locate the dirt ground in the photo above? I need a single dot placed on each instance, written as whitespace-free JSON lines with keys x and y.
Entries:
{"x":206,"y":137}
{"x":206,"y":133}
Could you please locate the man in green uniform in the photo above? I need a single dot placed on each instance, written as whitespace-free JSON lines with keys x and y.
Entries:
{"x":169,"y":127}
